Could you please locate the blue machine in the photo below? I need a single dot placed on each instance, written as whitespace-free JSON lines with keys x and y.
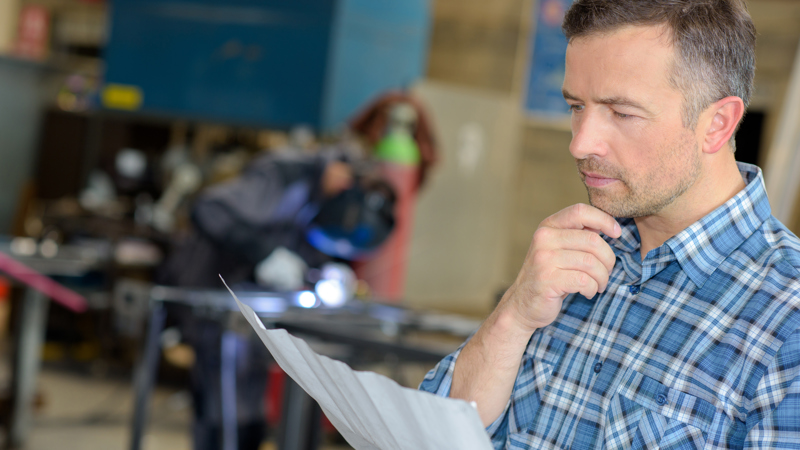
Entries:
{"x":274,"y":63}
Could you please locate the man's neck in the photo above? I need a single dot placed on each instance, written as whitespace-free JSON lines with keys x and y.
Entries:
{"x":706,"y":195}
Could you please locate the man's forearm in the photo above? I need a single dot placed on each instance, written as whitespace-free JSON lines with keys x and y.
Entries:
{"x":566,"y":256}
{"x":487,"y":366}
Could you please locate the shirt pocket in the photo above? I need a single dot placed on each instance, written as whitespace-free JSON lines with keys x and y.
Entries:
{"x":645,"y":414}
{"x":538,"y":363}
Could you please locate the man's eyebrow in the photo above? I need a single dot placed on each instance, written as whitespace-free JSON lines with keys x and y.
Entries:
{"x":621,"y":101}
{"x":568,"y":96}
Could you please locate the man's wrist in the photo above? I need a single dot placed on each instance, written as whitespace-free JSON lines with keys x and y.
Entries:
{"x":508,"y":324}
{"x":505,"y":327}
{"x":509,"y":316}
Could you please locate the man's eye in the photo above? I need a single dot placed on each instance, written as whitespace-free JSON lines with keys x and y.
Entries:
{"x":622,"y":116}
{"x":575,"y":108}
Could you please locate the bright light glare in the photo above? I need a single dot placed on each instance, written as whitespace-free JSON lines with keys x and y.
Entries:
{"x":307,"y":299}
{"x":331,"y":292}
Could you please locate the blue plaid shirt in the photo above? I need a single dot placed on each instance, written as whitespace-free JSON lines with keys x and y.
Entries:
{"x":697,"y":346}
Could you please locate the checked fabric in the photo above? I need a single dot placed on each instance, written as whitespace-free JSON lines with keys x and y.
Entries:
{"x":695,"y":347}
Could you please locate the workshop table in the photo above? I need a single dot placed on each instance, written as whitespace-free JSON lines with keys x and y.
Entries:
{"x":32,"y":271}
{"x":367,"y":328}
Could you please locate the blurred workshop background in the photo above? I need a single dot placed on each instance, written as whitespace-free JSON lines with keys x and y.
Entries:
{"x":366,"y":173}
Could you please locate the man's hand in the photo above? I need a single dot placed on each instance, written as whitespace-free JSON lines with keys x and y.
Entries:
{"x":567,"y":255}
{"x":336,"y":178}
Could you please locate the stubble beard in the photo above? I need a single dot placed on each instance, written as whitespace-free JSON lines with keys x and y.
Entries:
{"x":644,"y":197}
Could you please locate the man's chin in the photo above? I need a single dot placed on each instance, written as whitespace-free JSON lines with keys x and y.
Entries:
{"x":613,"y":207}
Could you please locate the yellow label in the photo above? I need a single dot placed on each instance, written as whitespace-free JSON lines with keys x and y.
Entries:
{"x":122,"y":96}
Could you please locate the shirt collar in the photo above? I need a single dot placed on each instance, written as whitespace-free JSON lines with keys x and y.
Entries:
{"x":701,"y":247}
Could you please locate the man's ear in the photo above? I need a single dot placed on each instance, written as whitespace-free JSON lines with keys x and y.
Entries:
{"x":726,"y":116}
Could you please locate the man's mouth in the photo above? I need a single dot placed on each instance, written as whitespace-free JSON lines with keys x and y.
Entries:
{"x":597,"y":180}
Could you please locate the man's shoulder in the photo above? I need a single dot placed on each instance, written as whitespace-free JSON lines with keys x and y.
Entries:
{"x":781,"y":247}
{"x":766,"y":266}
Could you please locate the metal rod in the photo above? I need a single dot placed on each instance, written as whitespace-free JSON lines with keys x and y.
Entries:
{"x":230,"y":438}
{"x":33,"y":317}
{"x":145,"y":374}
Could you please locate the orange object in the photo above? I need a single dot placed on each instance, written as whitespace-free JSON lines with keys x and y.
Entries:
{"x":385,"y":271}
{"x":5,"y":306}
{"x":5,"y":289}
{"x":273,"y":394}
{"x":273,"y":399}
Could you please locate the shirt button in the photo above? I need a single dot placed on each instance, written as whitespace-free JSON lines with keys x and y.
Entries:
{"x":598,"y":367}
{"x":633,"y":289}
{"x":661,"y":399}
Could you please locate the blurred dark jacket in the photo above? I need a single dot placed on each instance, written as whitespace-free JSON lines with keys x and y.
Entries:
{"x":239,"y":223}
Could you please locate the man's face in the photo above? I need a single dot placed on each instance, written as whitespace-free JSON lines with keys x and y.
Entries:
{"x":631,"y":149}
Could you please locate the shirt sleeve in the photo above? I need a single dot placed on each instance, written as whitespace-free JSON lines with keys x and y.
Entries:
{"x":438,"y":382}
{"x":775,"y":421}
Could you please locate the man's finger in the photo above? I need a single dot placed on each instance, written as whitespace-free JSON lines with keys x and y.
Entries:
{"x":583,"y":241}
{"x":591,"y":242}
{"x":574,"y":281}
{"x":582,"y":262}
{"x":582,"y":216}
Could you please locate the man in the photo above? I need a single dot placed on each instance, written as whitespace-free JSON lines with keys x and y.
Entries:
{"x":677,"y":325}
{"x":257,"y":227}
{"x":238,"y":224}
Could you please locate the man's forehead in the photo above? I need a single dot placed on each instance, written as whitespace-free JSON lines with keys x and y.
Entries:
{"x":632,"y":43}
{"x":628,"y":67}
{"x":660,"y":34}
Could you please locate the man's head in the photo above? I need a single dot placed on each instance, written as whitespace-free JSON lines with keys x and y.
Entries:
{"x":714,"y":43}
{"x":657,"y":88}
{"x":337,"y":177}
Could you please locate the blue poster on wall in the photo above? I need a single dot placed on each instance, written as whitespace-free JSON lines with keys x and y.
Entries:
{"x":546,"y":70}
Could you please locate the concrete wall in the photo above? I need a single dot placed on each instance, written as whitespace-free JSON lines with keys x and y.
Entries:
{"x":475,"y":43}
{"x":546,"y":181}
{"x":459,"y":247}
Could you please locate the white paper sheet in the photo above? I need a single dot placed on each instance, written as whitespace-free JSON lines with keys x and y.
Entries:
{"x":370,"y":410}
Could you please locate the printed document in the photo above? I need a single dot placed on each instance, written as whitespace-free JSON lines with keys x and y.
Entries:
{"x":370,"y":410}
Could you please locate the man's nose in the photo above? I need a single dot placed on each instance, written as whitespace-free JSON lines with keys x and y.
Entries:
{"x":589,"y":135}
